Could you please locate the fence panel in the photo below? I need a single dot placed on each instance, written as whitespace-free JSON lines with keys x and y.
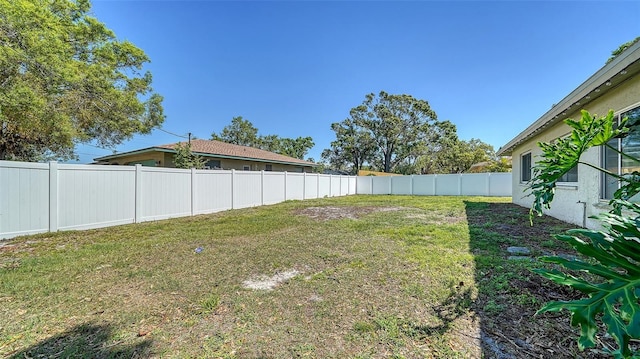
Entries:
{"x":311,"y":186}
{"x":212,"y":191}
{"x":247,"y":189}
{"x":24,"y":198}
{"x":424,"y":185}
{"x":165,"y":193}
{"x":447,"y":185}
{"x":401,"y":185}
{"x":273,"y":185}
{"x":381,"y":185}
{"x":324,"y":186}
{"x":500,"y":184}
{"x":295,"y":186}
{"x":474,"y":184}
{"x":95,"y":196}
{"x":364,"y":185}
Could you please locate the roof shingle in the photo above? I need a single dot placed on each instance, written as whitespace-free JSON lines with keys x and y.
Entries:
{"x":211,"y":147}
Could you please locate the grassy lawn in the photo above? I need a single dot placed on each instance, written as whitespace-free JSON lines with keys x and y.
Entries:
{"x":351,"y":277}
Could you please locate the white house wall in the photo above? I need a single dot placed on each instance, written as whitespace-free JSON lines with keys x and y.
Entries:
{"x":573,"y":202}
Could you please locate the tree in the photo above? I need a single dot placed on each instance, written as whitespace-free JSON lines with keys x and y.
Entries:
{"x":352,"y":148}
{"x":400,"y":125}
{"x":65,"y":79}
{"x":239,"y":132}
{"x":457,"y":156}
{"x":243,"y":132}
{"x":609,"y":278}
{"x":185,"y":158}
{"x":296,"y":148}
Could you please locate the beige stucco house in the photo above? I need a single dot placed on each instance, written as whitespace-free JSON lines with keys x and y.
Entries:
{"x":218,"y":155}
{"x":584,"y":191}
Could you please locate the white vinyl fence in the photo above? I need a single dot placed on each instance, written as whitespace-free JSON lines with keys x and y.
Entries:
{"x":43,"y":197}
{"x":467,"y":184}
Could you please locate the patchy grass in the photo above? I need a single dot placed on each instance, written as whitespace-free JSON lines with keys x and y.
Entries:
{"x":371,"y":277}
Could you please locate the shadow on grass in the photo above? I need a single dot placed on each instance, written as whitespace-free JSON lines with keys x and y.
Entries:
{"x":509,"y":294}
{"x":84,"y":341}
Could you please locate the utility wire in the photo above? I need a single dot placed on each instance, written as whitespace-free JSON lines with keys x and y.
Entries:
{"x":171,"y":133}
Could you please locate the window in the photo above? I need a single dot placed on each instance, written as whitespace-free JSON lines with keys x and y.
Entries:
{"x":213,"y":164}
{"x":571,"y":176}
{"x":616,"y":163}
{"x":246,"y":168}
{"x":268,"y":167}
{"x":525,"y":167}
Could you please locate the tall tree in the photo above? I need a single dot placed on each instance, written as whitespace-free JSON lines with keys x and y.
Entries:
{"x":66,"y":79}
{"x":457,"y":156}
{"x":400,"y":128}
{"x":296,"y":148}
{"x":352,"y":148}
{"x":239,"y":132}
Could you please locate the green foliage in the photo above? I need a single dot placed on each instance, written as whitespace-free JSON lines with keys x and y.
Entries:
{"x":456,"y":156}
{"x":185,"y":158}
{"x":239,"y":132}
{"x":352,"y":148}
{"x":388,"y":132}
{"x":242,"y":132}
{"x":621,"y":48}
{"x":66,"y":79}
{"x":613,"y":253}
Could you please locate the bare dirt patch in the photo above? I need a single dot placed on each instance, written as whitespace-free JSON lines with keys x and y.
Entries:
{"x":269,"y":283}
{"x":329,"y":213}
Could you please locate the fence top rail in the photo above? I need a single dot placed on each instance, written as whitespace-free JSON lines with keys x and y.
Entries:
{"x":82,"y":167}
{"x":16,"y":164}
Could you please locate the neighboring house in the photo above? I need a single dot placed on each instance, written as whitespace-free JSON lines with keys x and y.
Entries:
{"x":218,"y":155}
{"x":584,"y":191}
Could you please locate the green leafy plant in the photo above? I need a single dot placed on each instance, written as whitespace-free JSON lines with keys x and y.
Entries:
{"x":186,"y":159}
{"x":610,"y":273}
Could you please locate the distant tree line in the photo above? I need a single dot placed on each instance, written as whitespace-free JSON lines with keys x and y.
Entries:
{"x":401,"y":134}
{"x":242,"y":132}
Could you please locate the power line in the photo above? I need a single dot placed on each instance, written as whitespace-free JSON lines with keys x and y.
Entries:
{"x":171,"y":133}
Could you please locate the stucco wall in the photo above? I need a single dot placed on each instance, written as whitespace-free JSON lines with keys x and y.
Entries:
{"x":573,"y":199}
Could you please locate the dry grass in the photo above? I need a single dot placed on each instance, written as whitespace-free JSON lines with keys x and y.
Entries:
{"x":363,"y":281}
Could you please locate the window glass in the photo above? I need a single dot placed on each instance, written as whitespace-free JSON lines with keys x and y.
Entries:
{"x":614,"y":162}
{"x":525,"y":165}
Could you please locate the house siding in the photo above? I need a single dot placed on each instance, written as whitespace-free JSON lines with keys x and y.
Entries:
{"x":576,"y":202}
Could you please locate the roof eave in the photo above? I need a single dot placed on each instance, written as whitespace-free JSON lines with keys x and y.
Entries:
{"x":578,"y":97}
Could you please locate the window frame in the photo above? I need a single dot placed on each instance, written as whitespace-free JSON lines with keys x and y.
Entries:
{"x":618,"y":144}
{"x":522,"y":168}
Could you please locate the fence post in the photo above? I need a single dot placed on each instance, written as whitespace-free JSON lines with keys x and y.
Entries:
{"x":285,"y":186}
{"x":488,"y":184}
{"x":317,"y":185}
{"x":233,"y":180}
{"x":262,"y":187}
{"x":390,"y":185}
{"x":340,"y":186}
{"x":304,"y":184}
{"x":138,"y":200}
{"x":53,"y":196}
{"x":435,"y":185}
{"x":330,"y":185}
{"x":411,"y":185}
{"x":371,"y":185}
{"x":193,"y":191}
{"x":460,"y":184}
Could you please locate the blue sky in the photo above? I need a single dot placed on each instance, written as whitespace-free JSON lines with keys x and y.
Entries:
{"x":292,"y":68}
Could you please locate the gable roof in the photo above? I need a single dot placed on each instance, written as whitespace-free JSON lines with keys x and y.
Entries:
{"x":220,"y":149}
{"x":621,"y":68}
